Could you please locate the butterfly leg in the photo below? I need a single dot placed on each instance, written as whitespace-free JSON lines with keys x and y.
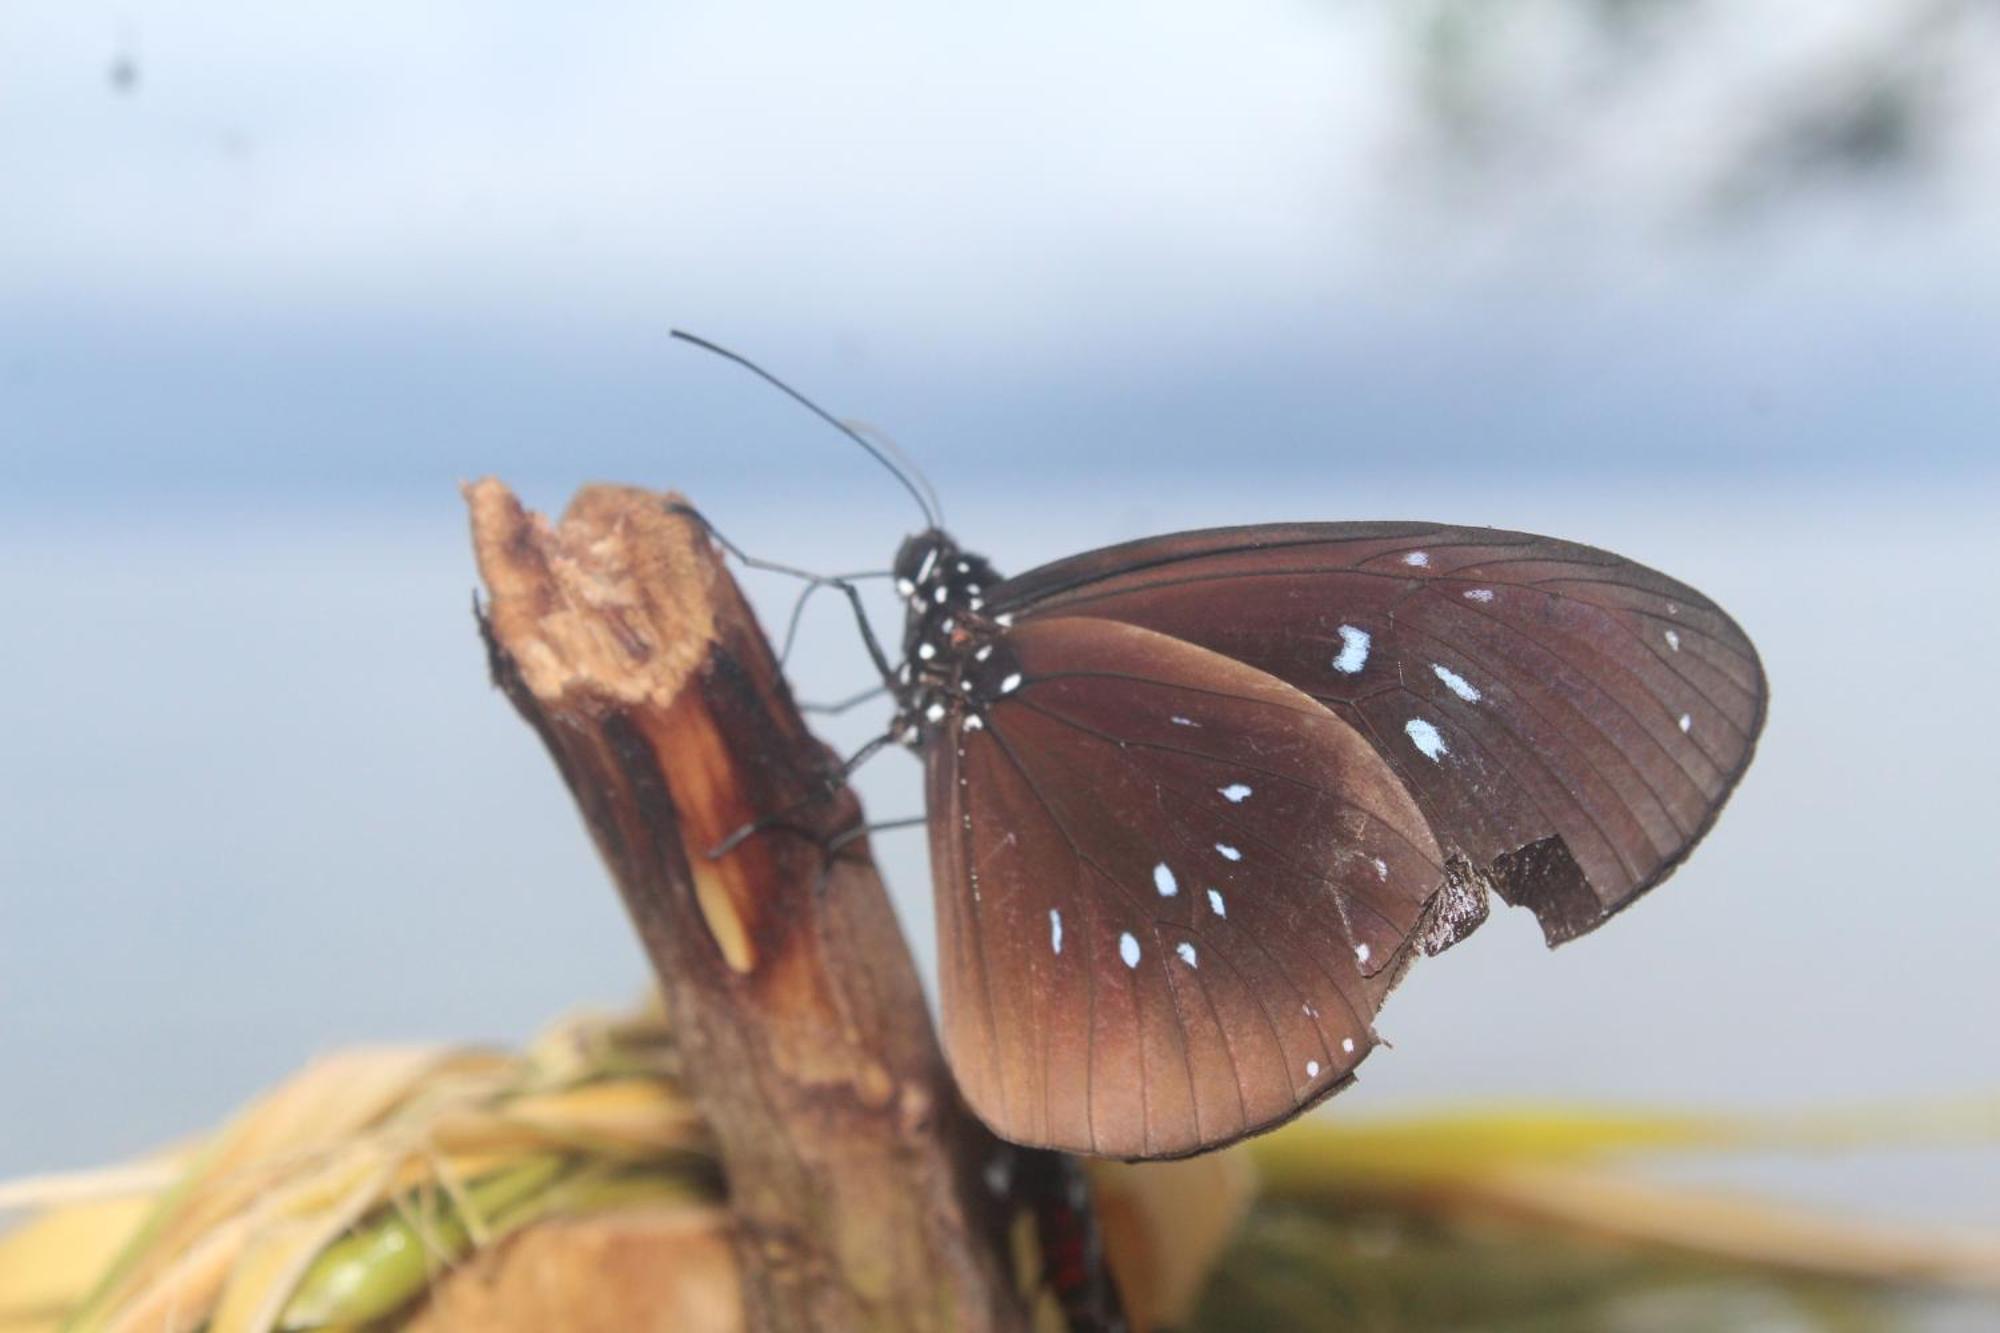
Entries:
{"x":833,"y":781}
{"x":848,"y":836}
{"x":814,"y":582}
{"x":792,"y":624}
{"x":841,"y":581}
{"x":881,"y":659}
{"x":840,"y":706}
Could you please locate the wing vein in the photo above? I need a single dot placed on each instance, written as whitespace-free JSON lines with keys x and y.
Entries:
{"x":1277,"y":1038}
{"x":962,"y":835}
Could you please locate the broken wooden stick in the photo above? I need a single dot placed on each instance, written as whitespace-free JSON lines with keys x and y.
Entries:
{"x":854,"y":1171}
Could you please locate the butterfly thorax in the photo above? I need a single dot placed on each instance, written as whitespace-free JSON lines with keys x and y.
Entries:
{"x":955,"y":658}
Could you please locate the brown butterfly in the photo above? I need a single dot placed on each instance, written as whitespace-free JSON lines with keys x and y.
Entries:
{"x":1196,"y":802}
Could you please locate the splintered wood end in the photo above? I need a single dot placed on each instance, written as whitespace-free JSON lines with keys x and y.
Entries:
{"x":616,"y":602}
{"x":612,"y":611}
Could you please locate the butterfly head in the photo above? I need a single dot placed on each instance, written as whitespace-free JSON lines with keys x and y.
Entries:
{"x":934,"y":574}
{"x":920,"y":560}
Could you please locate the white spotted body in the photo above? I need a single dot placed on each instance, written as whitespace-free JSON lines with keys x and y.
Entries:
{"x":957,"y":663}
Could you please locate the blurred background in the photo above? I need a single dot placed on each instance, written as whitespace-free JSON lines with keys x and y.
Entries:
{"x":1715,"y":285}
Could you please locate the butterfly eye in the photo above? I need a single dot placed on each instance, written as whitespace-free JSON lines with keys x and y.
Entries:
{"x":918,"y":560}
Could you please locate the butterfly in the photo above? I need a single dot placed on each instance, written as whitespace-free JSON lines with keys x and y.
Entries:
{"x":1196,"y":802}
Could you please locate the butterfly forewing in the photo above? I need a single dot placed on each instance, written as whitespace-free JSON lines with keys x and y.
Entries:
{"x":1179,"y":888}
{"x":1568,"y":722}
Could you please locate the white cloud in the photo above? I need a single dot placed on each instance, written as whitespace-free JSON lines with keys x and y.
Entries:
{"x":854,"y":150}
{"x":942,"y":167}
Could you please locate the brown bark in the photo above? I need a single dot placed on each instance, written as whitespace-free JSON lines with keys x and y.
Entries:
{"x":853,"y":1169}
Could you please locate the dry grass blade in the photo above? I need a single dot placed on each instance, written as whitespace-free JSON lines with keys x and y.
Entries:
{"x":572,"y":1186}
{"x":1744,"y":1230}
{"x":1568,"y":1168}
{"x":319,"y":1110}
{"x":422,"y":1153}
{"x":50,"y":1263}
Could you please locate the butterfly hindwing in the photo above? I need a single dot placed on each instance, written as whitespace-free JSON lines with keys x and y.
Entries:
{"x":1172,"y":892}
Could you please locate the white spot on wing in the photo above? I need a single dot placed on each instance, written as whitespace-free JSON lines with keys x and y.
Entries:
{"x":1381,"y":869}
{"x":1353,"y":650}
{"x":1312,"y":1069}
{"x":1055,"y":930}
{"x":1456,"y":683}
{"x":1235,"y":793}
{"x":1687,"y":723}
{"x":1347,"y":1044}
{"x":1215,"y":903}
{"x":975,"y":723}
{"x":1180,"y":721}
{"x":1361,"y":952}
{"x":1164,"y":881}
{"x":935,"y":712}
{"x":1427,"y":739}
{"x":1673,"y":639}
{"x":1479,"y":594}
{"x":1186,"y":951}
{"x":1012,"y":683}
{"x":1128,"y":949}
{"x":1229,"y":852}
{"x":1417,"y":558}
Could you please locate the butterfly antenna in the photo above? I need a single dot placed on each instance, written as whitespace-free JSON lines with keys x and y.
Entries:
{"x":933,"y":513}
{"x":904,"y":463}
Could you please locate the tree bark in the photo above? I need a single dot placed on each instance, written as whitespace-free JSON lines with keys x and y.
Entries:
{"x":855,"y":1173}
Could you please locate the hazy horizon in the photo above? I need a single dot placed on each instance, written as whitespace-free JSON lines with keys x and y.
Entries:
{"x":244,"y":834}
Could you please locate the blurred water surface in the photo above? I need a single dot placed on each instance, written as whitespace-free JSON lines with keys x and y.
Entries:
{"x":261,"y":802}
